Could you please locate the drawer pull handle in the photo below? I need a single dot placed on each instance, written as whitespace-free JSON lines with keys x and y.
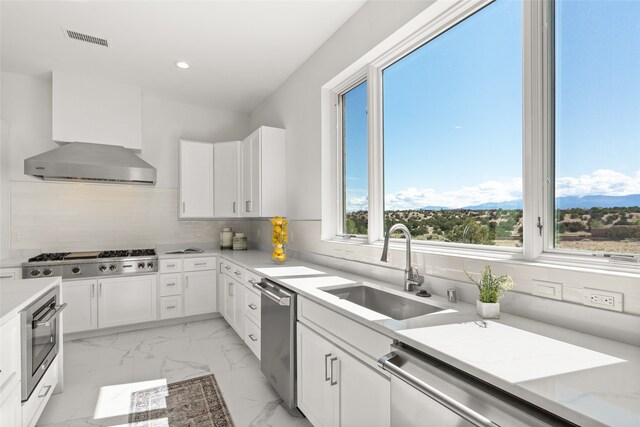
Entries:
{"x":227,"y":267}
{"x":326,"y":375}
{"x":41,"y":394}
{"x":333,"y":382}
{"x":238,"y":273}
{"x":171,"y":307}
{"x":253,"y":338}
{"x":170,"y":265}
{"x":171,"y":284}
{"x":253,"y":306}
{"x":200,"y":263}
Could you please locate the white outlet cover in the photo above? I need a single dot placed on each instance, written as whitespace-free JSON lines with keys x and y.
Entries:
{"x":617,"y":299}
{"x":545,"y":289}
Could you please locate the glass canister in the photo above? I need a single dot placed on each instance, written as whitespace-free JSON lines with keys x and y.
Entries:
{"x":239,"y":242}
{"x":226,"y":238}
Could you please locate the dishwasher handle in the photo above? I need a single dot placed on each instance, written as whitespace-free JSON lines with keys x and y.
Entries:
{"x":386,"y":362}
{"x":286,"y":301}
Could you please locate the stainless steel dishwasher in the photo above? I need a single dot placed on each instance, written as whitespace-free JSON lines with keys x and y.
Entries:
{"x":278,"y":347}
{"x":427,"y":391}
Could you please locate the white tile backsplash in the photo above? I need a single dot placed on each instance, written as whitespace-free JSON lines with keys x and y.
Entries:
{"x":77,"y":216}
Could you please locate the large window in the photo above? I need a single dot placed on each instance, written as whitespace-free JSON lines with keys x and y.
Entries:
{"x":597,"y":126}
{"x":453,"y":133}
{"x":510,"y":127}
{"x":355,"y":169}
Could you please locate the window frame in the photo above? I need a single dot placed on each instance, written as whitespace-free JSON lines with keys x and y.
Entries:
{"x":537,"y":137}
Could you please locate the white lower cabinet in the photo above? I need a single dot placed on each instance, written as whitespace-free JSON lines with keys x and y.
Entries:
{"x":127,"y":300}
{"x":32,"y":408}
{"x":81,"y":313}
{"x":337,"y":389}
{"x":233,"y":296}
{"x":200,"y":292}
{"x":10,"y":405}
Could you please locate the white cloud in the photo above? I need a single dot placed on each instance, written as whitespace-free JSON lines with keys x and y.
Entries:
{"x":490,"y":191}
{"x":600,"y":182}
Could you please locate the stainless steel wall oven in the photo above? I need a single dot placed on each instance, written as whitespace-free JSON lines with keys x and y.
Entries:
{"x":40,"y":337}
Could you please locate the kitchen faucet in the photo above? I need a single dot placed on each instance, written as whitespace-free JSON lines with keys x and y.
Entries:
{"x":411,"y":276}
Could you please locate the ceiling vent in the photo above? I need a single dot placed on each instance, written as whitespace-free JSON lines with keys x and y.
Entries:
{"x":86,"y":38}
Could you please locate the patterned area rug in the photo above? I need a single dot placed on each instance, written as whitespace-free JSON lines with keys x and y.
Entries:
{"x":195,"y":402}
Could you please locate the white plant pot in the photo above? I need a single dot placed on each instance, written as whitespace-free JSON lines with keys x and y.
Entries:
{"x":488,"y":310}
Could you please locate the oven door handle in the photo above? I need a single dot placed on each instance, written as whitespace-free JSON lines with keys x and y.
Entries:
{"x":52,"y":313}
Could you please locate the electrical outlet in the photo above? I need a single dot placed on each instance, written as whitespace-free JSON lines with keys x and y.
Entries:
{"x":603,"y":299}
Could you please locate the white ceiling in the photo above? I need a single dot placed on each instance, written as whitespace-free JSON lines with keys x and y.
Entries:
{"x":239,"y":51}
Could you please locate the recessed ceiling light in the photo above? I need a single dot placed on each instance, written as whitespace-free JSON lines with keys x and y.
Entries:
{"x":182,"y":64}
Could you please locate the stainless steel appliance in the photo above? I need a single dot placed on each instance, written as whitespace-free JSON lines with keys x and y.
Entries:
{"x":40,"y":337}
{"x":80,"y":161}
{"x":427,"y":391}
{"x":278,"y":348}
{"x":77,"y":265}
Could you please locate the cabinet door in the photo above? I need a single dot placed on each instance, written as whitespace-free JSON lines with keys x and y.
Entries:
{"x":315,"y":393}
{"x":200,"y":292}
{"x":229,"y":300}
{"x":10,"y":403}
{"x":81,"y":313}
{"x":196,"y":179}
{"x":127,"y":300}
{"x":250,"y":176}
{"x":238,"y":301}
{"x":225,"y":179}
{"x":363,"y":394}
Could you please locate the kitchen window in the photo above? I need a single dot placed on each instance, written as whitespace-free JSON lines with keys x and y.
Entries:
{"x":596,"y":127}
{"x":452,"y":119}
{"x":355,"y":169}
{"x":506,"y":127}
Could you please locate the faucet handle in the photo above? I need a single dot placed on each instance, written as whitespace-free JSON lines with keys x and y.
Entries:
{"x":415,"y":277}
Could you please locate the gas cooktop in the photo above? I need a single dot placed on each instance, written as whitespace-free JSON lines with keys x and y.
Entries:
{"x":76,"y":265}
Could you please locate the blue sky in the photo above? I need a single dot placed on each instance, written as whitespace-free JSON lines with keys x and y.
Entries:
{"x":453,"y":118}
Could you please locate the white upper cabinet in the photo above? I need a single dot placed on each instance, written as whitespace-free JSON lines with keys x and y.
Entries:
{"x":263,"y":173}
{"x":96,"y":111}
{"x":226,"y":178}
{"x":196,"y":179}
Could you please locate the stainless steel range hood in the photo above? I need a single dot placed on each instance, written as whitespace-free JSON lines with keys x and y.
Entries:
{"x":80,"y":161}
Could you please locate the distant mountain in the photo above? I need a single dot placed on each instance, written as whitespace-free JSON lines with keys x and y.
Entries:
{"x":567,"y":202}
{"x":435,"y":208}
{"x":511,"y":204}
{"x":587,"y":202}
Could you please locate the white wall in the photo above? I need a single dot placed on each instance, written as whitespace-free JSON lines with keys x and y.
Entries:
{"x":26,"y":110}
{"x":295,"y":106}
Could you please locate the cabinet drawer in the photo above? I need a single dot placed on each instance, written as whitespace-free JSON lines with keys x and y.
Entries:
{"x":200,"y":263}
{"x":171,"y":307}
{"x":252,"y":306}
{"x":173,"y":265}
{"x":32,"y":408}
{"x":252,"y":336}
{"x":11,"y":273}
{"x":170,"y":284}
{"x":250,"y":278}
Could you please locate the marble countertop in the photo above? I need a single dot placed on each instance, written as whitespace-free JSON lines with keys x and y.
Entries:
{"x":15,"y":295}
{"x":585,"y":379}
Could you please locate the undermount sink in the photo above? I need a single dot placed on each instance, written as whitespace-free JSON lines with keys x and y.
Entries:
{"x":392,"y":305}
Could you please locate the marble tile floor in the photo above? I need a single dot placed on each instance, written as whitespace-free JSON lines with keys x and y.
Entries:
{"x":102,"y":372}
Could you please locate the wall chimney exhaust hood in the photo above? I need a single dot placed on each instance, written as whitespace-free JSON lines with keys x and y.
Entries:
{"x":85,"y":162}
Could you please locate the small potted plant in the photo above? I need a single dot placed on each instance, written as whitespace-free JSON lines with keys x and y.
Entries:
{"x":492,"y":287}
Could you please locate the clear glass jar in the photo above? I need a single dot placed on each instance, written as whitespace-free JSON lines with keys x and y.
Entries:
{"x":226,"y":238}
{"x":239,"y":242}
